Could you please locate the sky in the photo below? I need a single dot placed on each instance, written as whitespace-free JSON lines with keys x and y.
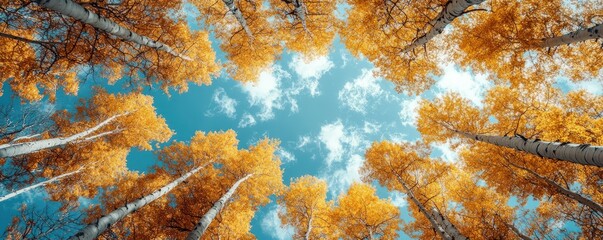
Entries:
{"x":325,"y":113}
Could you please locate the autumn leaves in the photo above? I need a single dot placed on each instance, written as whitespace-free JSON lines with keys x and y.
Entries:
{"x":208,"y":188}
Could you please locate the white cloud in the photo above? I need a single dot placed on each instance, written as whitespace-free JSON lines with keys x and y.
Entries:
{"x":313,"y":69}
{"x":344,"y":58}
{"x":226,"y":104}
{"x":303,"y":141}
{"x":448,"y":154}
{"x":398,"y":199}
{"x":462,"y":82}
{"x":397,"y":137}
{"x":271,"y":224}
{"x":594,"y":86}
{"x":285,"y":155}
{"x":409,"y":113}
{"x":331,"y":135}
{"x":340,"y":141}
{"x":247,"y":120}
{"x":266,"y":92}
{"x":356,"y":94}
{"x":370,"y":128}
{"x":341,"y":179}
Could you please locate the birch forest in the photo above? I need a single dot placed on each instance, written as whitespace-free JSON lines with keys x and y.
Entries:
{"x":301,"y":119}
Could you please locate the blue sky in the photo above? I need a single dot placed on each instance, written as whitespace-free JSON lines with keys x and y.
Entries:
{"x":325,"y":112}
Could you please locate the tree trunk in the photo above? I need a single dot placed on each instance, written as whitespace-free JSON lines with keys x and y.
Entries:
{"x":581,"y":35}
{"x":41,"y":184}
{"x":214,"y":210}
{"x":309,"y":229}
{"x":584,"y":154}
{"x":434,"y":224}
{"x":564,"y":191}
{"x":16,"y":149}
{"x":517,"y":232}
{"x":448,"y":227}
{"x":96,"y":228}
{"x":452,"y":10}
{"x":239,"y":16}
{"x":74,"y":10}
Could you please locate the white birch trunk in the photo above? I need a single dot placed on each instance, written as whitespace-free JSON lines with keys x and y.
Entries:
{"x":452,"y":10}
{"x":96,"y":228}
{"x":575,"y":153}
{"x":309,"y":230}
{"x":214,"y":210}
{"x":239,"y":16}
{"x":434,"y":224}
{"x":41,"y":184}
{"x":74,"y":10}
{"x":564,"y":191}
{"x":16,"y":149}
{"x":581,"y":35}
{"x":448,"y":227}
{"x":300,"y":12}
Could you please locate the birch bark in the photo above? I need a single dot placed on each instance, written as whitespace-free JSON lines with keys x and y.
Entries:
{"x":239,"y":16}
{"x":584,"y":154}
{"x":434,"y":224}
{"x":17,"y":149}
{"x":94,"y":229}
{"x":564,"y":191}
{"x":581,"y":35}
{"x":214,"y":210}
{"x":452,"y":10}
{"x":41,"y":184}
{"x":74,"y":10}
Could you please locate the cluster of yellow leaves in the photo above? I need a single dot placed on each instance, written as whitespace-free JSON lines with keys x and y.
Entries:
{"x":315,"y":38}
{"x":360,"y":214}
{"x":306,"y":209}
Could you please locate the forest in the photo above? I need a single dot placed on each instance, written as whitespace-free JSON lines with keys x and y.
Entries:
{"x":301,"y":119}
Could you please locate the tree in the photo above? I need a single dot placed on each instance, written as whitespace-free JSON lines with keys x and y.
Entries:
{"x":407,"y":168}
{"x":254,"y":176}
{"x":434,"y":122}
{"x":52,"y":48}
{"x":74,"y":10}
{"x":307,"y":27}
{"x":360,"y":214}
{"x":538,"y":113}
{"x":517,"y":47}
{"x":94,"y":159}
{"x":42,"y":223}
{"x":388,"y":33}
{"x":247,"y":37}
{"x":307,"y":210}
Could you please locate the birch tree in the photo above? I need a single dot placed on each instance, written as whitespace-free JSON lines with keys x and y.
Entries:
{"x":254,"y":176}
{"x":245,"y":34}
{"x":306,"y":209}
{"x":93,"y":230}
{"x":55,"y":51}
{"x":307,"y":27}
{"x":556,"y":37}
{"x":407,"y":168}
{"x":93,"y":160}
{"x":77,"y":11}
{"x":399,"y":37}
{"x":530,"y":113}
